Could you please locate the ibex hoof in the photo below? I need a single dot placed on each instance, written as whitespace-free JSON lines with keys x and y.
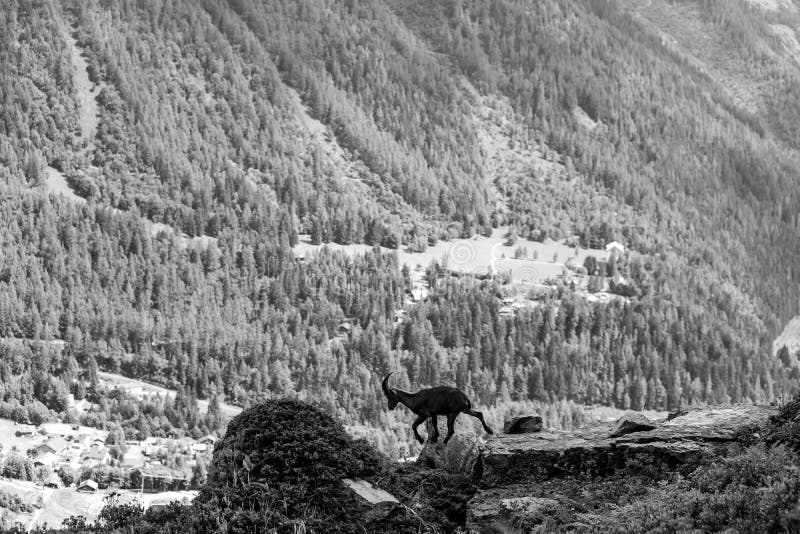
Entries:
{"x":420,"y":440}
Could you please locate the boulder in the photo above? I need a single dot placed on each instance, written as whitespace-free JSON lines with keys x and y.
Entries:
{"x":631,"y":422}
{"x":523,"y":424}
{"x":367,"y":491}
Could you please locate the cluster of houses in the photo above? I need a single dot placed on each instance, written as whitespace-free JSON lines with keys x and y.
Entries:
{"x":66,"y":444}
{"x":54,"y":445}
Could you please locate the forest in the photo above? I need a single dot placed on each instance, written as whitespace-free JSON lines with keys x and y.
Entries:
{"x":198,"y":130}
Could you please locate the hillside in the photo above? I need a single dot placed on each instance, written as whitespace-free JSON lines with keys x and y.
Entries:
{"x":170,"y":172}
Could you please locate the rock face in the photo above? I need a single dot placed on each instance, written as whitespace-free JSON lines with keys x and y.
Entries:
{"x":631,"y":422}
{"x":515,"y":468}
{"x":523,"y":424}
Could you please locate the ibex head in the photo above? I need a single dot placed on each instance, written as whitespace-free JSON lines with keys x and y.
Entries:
{"x":389,"y":392}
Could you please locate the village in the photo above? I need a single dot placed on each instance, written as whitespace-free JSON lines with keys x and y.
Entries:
{"x":56,"y":470}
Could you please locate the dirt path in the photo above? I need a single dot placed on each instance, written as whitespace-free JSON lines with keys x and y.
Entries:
{"x":88,"y":119}
{"x":86,"y":93}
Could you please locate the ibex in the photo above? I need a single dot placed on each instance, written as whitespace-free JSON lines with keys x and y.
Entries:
{"x":431,"y":403}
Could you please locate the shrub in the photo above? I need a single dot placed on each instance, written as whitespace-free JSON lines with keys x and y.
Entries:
{"x":282,"y":462}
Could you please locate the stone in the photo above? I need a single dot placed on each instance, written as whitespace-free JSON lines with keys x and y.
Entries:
{"x":370,"y":493}
{"x":631,"y":422}
{"x":382,"y":504}
{"x":523,"y":424}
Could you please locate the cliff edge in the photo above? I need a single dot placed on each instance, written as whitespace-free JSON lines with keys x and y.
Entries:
{"x":570,"y":477}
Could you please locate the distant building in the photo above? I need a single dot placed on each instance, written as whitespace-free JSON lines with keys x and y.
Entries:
{"x":95,"y":456}
{"x":506,"y":311}
{"x":88,"y":486}
{"x":344,"y":328}
{"x":45,"y":459}
{"x":208,"y":439}
{"x":43,"y":448}
{"x":419,"y":294}
{"x":56,"y":444}
{"x":54,"y":481}
{"x":614,"y":250}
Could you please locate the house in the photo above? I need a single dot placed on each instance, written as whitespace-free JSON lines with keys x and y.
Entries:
{"x":614,"y":250}
{"x":88,"y":486}
{"x":199,"y":448}
{"x":43,"y":448}
{"x":151,"y":446}
{"x":208,"y":439}
{"x":344,"y":328}
{"x":48,"y":459}
{"x":81,"y":441}
{"x":95,"y":456}
{"x":506,"y":311}
{"x":53,"y":481}
{"x":56,"y":444}
{"x":419,"y":294}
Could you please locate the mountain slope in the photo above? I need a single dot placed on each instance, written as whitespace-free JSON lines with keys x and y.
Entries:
{"x":244,"y":124}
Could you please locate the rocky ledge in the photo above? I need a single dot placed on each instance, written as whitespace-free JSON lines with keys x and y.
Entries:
{"x":525,"y":477}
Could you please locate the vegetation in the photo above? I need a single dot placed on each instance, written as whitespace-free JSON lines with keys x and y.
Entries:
{"x":756,"y":490}
{"x":200,"y":130}
{"x":280,"y":467}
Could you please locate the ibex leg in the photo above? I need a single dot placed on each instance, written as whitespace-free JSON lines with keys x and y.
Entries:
{"x":419,"y":421}
{"x":434,"y":437}
{"x":479,"y":415}
{"x":451,"y":421}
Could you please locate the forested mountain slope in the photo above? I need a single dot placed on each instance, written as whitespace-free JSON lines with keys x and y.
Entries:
{"x":369,"y":121}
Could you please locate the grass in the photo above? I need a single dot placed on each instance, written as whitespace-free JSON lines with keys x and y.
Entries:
{"x":479,"y":255}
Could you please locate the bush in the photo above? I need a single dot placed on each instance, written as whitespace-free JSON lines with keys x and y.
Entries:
{"x":282,"y":462}
{"x":279,"y":469}
{"x":756,"y":491}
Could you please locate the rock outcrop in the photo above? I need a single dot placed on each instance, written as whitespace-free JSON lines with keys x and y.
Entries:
{"x":631,"y":422}
{"x":521,"y":475}
{"x":523,"y":424}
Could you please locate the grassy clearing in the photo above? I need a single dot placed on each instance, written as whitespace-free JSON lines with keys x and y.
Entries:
{"x":481,"y":255}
